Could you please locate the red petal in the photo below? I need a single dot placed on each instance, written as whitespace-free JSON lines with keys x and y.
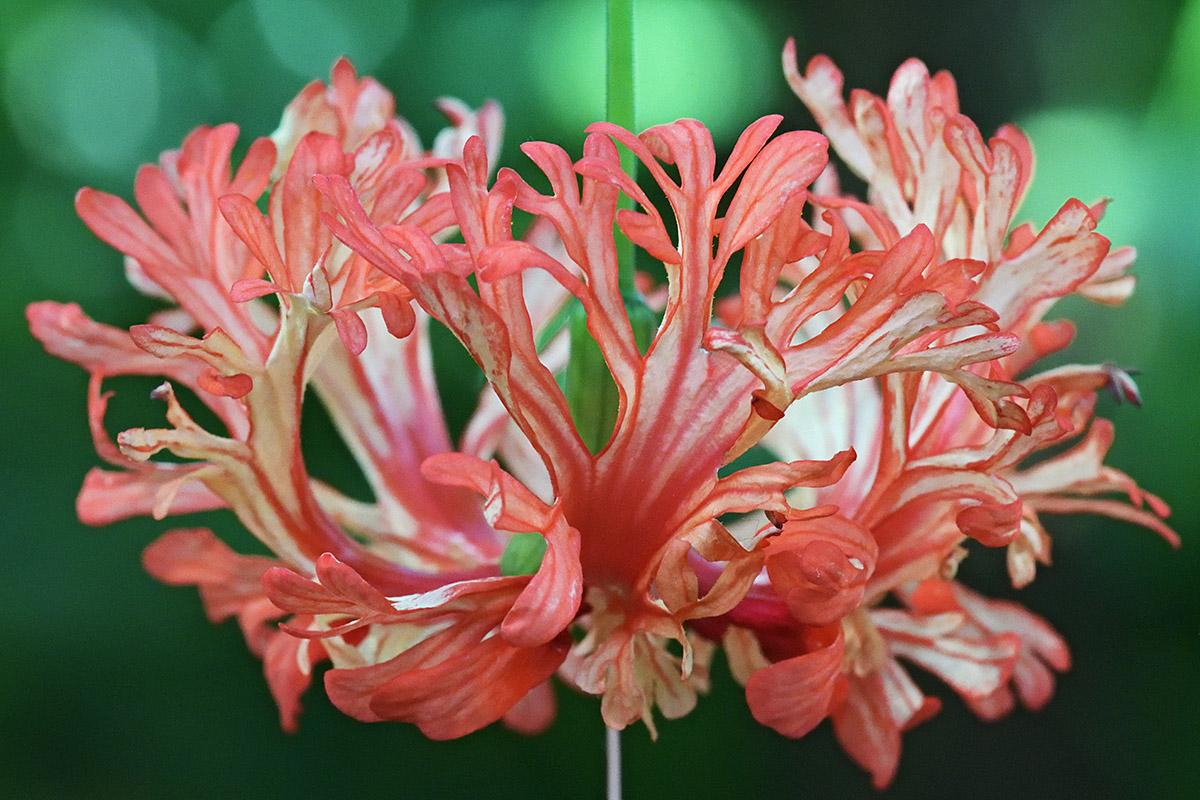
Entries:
{"x":820,"y":567}
{"x":351,"y":329}
{"x":548,"y":604}
{"x":648,"y":233}
{"x":340,"y":590}
{"x":397,"y":314}
{"x":991,"y":524}
{"x":794,"y":695}
{"x":534,"y":712}
{"x":234,"y":386}
{"x":288,"y":665}
{"x":469,"y":690}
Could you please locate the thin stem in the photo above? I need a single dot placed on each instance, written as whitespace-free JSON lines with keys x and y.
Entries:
{"x":612,"y":740}
{"x":619,"y":108}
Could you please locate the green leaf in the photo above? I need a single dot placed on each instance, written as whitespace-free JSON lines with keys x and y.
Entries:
{"x":523,"y":555}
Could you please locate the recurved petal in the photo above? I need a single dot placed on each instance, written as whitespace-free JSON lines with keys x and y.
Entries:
{"x":338,"y":589}
{"x":229,"y":583}
{"x":66,"y":332}
{"x":1043,"y":651}
{"x":763,"y":487}
{"x":468,"y":690}
{"x":547,"y":605}
{"x":119,"y":226}
{"x":551,"y":599}
{"x":820,"y":88}
{"x":108,"y":496}
{"x":794,"y":695}
{"x":820,"y":567}
{"x":508,"y":504}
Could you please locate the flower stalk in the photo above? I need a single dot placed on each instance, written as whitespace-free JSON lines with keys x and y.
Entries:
{"x":612,"y":748}
{"x":620,"y":110}
{"x":590,"y":390}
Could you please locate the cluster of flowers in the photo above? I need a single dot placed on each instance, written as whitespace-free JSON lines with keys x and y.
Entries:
{"x":868,"y":387}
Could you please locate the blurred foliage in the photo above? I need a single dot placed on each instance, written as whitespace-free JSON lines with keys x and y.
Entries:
{"x":115,"y":686}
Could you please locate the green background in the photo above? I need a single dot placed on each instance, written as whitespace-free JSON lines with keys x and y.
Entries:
{"x":112,"y":685}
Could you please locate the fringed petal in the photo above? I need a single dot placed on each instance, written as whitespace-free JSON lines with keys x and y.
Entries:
{"x":783,"y":168}
{"x":975,"y":667}
{"x":1067,"y":482}
{"x":288,"y":664}
{"x":878,"y":707}
{"x":1065,"y":254}
{"x":230,"y":584}
{"x":338,"y":590}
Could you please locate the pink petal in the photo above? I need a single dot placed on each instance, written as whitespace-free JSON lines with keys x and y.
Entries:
{"x":119,"y":226}
{"x":107,"y":497}
{"x":974,"y":667}
{"x":820,"y":88}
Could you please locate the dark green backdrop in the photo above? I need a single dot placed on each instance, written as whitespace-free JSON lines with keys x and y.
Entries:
{"x":112,"y":685}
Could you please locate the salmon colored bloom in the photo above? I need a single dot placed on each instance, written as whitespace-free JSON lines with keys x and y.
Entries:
{"x":874,"y":356}
{"x":930,"y":472}
{"x":203,"y":245}
{"x":626,"y":525}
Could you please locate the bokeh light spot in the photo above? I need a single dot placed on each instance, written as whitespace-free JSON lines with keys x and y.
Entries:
{"x":1178,"y":94}
{"x":712,"y":60}
{"x":308,"y":35}
{"x":82,"y":89}
{"x":1089,"y":154}
{"x":60,"y":256}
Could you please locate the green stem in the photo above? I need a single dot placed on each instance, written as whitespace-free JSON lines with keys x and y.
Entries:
{"x":588,"y":384}
{"x":619,"y":108}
